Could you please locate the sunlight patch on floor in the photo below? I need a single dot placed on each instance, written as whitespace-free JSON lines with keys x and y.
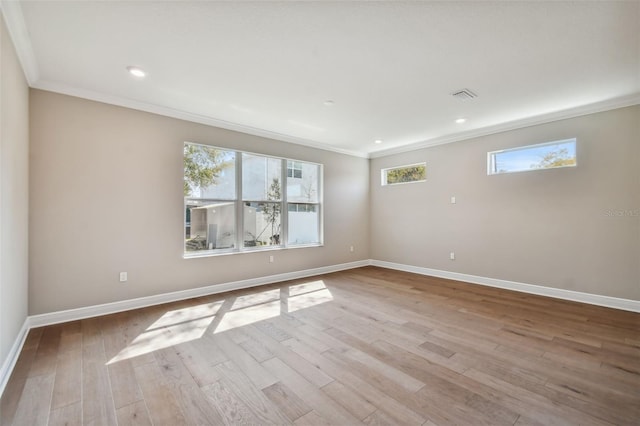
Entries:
{"x":190,"y":313}
{"x":308,"y":300}
{"x":186,"y":324}
{"x":250,"y":315}
{"x":256,"y":299}
{"x":309,"y":287}
{"x":160,"y":338}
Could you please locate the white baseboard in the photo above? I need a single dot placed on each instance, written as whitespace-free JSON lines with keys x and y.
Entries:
{"x":126,"y":305}
{"x":576,"y":296}
{"x":12,"y":357}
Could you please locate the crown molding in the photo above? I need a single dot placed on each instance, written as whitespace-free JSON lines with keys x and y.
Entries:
{"x":187,"y":116}
{"x":607,"y":105}
{"x":12,"y":12}
{"x":14,"y":18}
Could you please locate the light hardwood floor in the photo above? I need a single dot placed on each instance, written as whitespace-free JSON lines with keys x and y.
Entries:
{"x":368,"y":345}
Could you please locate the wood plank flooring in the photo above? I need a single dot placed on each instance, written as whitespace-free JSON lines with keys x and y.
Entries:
{"x":365,"y":346}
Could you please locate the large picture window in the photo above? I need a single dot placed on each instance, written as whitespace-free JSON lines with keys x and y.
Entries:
{"x":238,"y":201}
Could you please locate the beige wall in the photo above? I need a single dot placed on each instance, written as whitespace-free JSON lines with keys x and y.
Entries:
{"x":14,"y":175}
{"x":96,"y":168}
{"x":551,"y":228}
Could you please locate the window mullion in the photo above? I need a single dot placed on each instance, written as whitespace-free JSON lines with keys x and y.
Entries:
{"x":320,"y":204}
{"x":284,"y":219}
{"x":239,"y":204}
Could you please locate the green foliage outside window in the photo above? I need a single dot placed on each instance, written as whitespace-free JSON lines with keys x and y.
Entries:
{"x":557,"y":158}
{"x":271,"y":211}
{"x":202,"y":166}
{"x":406,"y":174}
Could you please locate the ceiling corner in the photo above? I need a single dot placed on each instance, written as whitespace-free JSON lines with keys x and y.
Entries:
{"x":606,"y":105}
{"x":14,"y":19}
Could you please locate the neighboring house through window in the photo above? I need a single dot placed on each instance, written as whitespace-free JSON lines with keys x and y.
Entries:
{"x":294,"y":169}
{"x":234,"y":201}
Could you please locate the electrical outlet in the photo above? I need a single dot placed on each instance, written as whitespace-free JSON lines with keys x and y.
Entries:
{"x":271,"y":259}
{"x":123,"y":277}
{"x":452,"y":256}
{"x":453,"y":200}
{"x":351,"y":249}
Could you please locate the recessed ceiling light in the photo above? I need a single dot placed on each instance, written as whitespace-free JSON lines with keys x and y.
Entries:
{"x":378,"y":141}
{"x":136,"y":72}
{"x":461,"y":120}
{"x":329,"y":102}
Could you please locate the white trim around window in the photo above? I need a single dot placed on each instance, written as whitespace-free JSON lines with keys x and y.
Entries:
{"x":239,"y":202}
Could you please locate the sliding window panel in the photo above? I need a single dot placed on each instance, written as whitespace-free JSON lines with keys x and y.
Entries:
{"x":303,"y":182}
{"x":304,"y":224}
{"x":262,"y":226}
{"x":210,"y":225}
{"x":261,"y":178}
{"x":209,"y":199}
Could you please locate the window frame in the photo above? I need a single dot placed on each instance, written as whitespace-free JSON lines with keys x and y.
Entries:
{"x":491,"y":162}
{"x":384,"y":174}
{"x":239,"y":204}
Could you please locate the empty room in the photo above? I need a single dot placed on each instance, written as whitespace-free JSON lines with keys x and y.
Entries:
{"x":319,"y":213}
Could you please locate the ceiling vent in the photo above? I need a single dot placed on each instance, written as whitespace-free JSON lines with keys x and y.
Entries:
{"x":464,"y":94}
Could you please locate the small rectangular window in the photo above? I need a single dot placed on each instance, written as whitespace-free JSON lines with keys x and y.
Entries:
{"x":404,"y":174}
{"x":549,"y":155}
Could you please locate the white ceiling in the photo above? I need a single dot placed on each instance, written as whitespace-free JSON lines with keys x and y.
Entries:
{"x":267,"y":68}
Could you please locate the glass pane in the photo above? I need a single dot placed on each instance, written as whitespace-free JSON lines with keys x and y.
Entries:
{"x":302,"y":181}
{"x":261,"y":178}
{"x":404,"y":174}
{"x":534,"y":157}
{"x":262,"y":224}
{"x":209,"y":172}
{"x":303,"y":222}
{"x":210,"y":225}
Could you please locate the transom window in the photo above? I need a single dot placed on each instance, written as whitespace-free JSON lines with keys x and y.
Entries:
{"x":238,"y":201}
{"x":404,"y":174}
{"x":548,"y":155}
